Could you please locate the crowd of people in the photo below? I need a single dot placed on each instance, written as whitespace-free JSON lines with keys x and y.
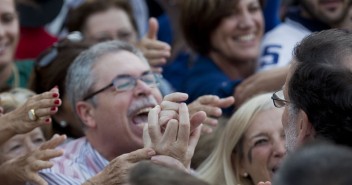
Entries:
{"x":217,"y":92}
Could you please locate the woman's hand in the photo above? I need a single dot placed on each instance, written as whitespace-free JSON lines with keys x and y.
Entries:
{"x":43,"y":105}
{"x":32,"y":114}
{"x":211,"y":105}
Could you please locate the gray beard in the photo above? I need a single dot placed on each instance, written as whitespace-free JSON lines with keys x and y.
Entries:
{"x":291,"y":131}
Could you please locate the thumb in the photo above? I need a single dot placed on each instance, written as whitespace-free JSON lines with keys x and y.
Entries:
{"x":138,"y":155}
{"x":55,"y":141}
{"x":153,"y":28}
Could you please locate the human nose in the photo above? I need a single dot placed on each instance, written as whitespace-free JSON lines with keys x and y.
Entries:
{"x":246,"y":20}
{"x":279,"y":148}
{"x":142,"y":88}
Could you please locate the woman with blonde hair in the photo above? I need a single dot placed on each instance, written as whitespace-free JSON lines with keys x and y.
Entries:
{"x":250,"y":148}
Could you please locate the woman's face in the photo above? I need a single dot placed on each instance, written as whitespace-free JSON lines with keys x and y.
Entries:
{"x":21,"y":144}
{"x":263,"y":145}
{"x":112,"y":24}
{"x":9,"y":31}
{"x":239,"y":35}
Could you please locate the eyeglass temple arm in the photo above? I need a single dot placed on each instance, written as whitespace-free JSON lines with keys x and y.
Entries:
{"x":97,"y":92}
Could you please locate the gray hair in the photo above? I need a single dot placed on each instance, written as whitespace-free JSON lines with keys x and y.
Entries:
{"x":80,"y":79}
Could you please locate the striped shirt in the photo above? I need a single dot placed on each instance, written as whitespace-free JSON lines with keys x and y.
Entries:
{"x":79,"y":163}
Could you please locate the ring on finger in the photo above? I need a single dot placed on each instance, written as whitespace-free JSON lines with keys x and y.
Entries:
{"x":32,"y":116}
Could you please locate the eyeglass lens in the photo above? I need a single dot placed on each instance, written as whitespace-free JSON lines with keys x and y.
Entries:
{"x":128,"y":82}
{"x":278,"y":99}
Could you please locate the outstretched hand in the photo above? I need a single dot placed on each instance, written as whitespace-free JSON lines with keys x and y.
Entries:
{"x":211,"y":105}
{"x":169,"y":110}
{"x":43,"y":105}
{"x":265,"y":81}
{"x":25,"y":168}
{"x":118,"y":169}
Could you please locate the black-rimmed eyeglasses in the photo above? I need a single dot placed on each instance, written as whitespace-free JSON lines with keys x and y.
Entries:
{"x":278,"y":99}
{"x":127,"y":82}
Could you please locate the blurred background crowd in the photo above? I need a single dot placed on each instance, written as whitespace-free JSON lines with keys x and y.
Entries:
{"x":89,"y":88}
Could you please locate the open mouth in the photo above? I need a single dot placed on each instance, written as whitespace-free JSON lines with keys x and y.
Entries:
{"x":274,"y":169}
{"x":140,"y":117}
{"x":246,"y":38}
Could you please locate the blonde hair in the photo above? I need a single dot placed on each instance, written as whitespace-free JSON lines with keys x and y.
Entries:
{"x":14,"y":98}
{"x":217,"y":168}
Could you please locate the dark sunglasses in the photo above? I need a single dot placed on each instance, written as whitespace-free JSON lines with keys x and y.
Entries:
{"x":50,"y":54}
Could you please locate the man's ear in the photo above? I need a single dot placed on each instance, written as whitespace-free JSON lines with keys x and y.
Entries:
{"x":305,"y":128}
{"x":85,"y":112}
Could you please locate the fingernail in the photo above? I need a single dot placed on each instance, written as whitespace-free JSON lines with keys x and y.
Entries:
{"x":53,"y":108}
{"x":57,"y":102}
{"x":55,"y":95}
{"x":47,"y":120}
{"x":151,"y":152}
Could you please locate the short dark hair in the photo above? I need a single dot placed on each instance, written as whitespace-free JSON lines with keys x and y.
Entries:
{"x":321,"y":84}
{"x":77,"y":17}
{"x":47,"y":76}
{"x":316,"y":164}
{"x":200,"y":18}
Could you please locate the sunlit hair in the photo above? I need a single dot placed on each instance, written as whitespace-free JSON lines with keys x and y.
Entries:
{"x":217,"y":168}
{"x":78,"y":16}
{"x":80,"y":78}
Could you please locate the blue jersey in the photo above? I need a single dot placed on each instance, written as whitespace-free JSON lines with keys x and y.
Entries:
{"x":278,"y":44}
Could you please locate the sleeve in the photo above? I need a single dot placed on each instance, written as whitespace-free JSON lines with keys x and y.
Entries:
{"x":278,"y":45}
{"x":213,"y":85}
{"x":275,"y":51}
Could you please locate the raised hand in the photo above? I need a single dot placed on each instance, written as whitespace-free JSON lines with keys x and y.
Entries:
{"x":177,"y":141}
{"x":169,"y":110}
{"x":25,"y":168}
{"x":155,"y":51}
{"x":34,"y":113}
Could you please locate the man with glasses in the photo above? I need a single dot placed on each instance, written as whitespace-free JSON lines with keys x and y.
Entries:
{"x":112,"y":89}
{"x":317,"y":95}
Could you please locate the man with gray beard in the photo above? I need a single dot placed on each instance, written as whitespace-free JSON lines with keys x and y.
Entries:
{"x":317,"y":95}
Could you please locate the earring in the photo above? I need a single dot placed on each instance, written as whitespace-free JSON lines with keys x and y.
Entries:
{"x":245,"y":174}
{"x":63,"y":123}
